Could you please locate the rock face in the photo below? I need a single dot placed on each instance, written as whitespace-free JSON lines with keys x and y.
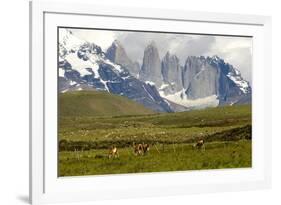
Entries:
{"x":207,"y":76}
{"x":192,"y":66}
{"x":151,"y":66}
{"x":204,"y":83}
{"x":86,"y":67}
{"x":208,"y":81}
{"x":117,"y":54}
{"x":200,"y":77}
{"x":171,"y":72}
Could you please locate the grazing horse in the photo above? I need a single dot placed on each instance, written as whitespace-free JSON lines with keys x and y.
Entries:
{"x":113,"y":152}
{"x":145,"y":148}
{"x":141,"y":149}
{"x":199,"y":144}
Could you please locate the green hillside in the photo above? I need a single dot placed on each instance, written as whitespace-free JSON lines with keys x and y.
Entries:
{"x":97,"y":103}
{"x":211,"y":123}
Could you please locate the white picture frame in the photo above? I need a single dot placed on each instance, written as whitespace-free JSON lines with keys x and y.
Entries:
{"x":46,"y":187}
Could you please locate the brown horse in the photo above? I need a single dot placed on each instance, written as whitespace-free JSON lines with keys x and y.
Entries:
{"x":199,"y":144}
{"x":113,"y":152}
{"x":141,"y":149}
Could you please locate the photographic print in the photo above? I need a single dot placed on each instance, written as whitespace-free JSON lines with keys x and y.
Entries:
{"x":152,"y":101}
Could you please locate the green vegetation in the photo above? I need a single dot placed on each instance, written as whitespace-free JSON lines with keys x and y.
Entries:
{"x":173,"y":158}
{"x":97,"y":103}
{"x":91,"y":122}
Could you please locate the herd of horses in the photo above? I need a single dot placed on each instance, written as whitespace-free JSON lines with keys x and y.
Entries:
{"x":142,"y":149}
{"x":139,"y":149}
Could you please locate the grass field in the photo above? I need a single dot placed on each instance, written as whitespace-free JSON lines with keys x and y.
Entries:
{"x":84,"y":138}
{"x":177,"y":157}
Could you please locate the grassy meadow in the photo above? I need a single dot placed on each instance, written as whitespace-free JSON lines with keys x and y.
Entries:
{"x":91,"y":122}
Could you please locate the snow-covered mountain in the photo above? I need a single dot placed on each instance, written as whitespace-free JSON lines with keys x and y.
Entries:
{"x":84,"y":65}
{"x":160,"y":84}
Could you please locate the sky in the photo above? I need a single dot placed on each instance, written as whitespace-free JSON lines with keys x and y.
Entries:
{"x":234,"y":50}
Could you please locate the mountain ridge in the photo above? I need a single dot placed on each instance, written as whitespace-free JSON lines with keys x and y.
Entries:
{"x":88,"y":65}
{"x":201,"y":80}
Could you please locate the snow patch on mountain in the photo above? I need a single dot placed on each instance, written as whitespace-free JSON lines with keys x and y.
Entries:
{"x":148,"y":93}
{"x":115,"y":66}
{"x":180,"y":98}
{"x":104,"y":83}
{"x":150,"y":83}
{"x":79,"y":64}
{"x":72,"y":83}
{"x":164,"y":86}
{"x":61,"y":72}
{"x":235,"y":76}
{"x":69,"y":41}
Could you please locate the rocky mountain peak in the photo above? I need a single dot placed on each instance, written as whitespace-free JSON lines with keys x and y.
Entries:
{"x":116,"y":43}
{"x":152,"y":44}
{"x":151,"y":66}
{"x":171,"y":72}
{"x":216,"y":57}
{"x":117,"y":54}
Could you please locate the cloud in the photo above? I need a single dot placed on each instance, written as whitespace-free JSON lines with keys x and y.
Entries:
{"x":102,"y":38}
{"x":179,"y":44}
{"x":234,"y":50}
